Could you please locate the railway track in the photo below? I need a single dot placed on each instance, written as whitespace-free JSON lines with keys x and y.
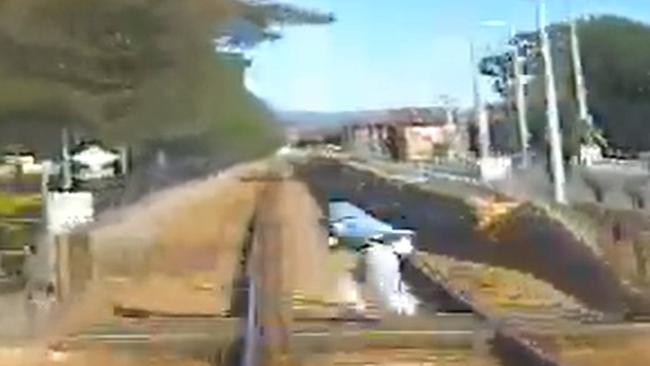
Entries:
{"x":284,"y":331}
{"x":278,"y":329}
{"x":270,"y":310}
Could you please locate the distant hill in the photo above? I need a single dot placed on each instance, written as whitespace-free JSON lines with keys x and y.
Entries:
{"x":319,"y":120}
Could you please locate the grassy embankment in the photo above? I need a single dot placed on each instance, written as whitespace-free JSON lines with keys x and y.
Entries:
{"x":14,"y":232}
{"x":176,"y":252}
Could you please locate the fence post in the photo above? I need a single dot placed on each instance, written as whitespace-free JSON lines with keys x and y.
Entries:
{"x":641,"y":247}
{"x":74,"y":265}
{"x":62,"y":266}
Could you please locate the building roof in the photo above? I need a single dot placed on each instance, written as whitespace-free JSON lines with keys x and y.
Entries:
{"x":407,"y":117}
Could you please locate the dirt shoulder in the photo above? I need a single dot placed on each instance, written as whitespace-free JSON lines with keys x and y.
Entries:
{"x":177,"y":252}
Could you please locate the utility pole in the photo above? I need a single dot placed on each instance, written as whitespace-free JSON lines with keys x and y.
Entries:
{"x":555,"y":138}
{"x":448,"y":105}
{"x":66,"y":174}
{"x":581,"y":89}
{"x":479,"y":107}
{"x":520,"y":94}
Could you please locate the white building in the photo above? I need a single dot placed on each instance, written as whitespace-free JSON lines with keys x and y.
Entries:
{"x":92,"y":161}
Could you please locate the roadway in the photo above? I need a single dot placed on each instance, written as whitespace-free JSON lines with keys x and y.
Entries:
{"x":446,"y":225}
{"x":532,"y":244}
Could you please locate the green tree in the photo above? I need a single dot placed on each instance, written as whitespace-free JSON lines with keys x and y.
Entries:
{"x":615,"y":54}
{"x":144,"y":72}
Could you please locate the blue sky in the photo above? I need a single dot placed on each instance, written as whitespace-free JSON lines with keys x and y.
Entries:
{"x":394,"y":53}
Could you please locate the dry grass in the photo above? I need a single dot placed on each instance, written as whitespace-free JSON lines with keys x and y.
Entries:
{"x":196,"y":243}
{"x":631,"y":353}
{"x":492,"y":211}
{"x":500,"y":290}
{"x":405,"y":357}
{"x":175,"y":252}
{"x":304,"y":241}
{"x":97,"y":357}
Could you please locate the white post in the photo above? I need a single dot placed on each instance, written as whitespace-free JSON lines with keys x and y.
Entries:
{"x":45,"y":184}
{"x":520,"y":93}
{"x":581,"y":89}
{"x":481,"y":113}
{"x":555,"y":138}
{"x":124,"y":160}
{"x":66,"y":173}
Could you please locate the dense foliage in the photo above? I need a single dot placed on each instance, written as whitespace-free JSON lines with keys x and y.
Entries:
{"x":616,"y":59}
{"x":143,"y":72}
{"x":616,"y":54}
